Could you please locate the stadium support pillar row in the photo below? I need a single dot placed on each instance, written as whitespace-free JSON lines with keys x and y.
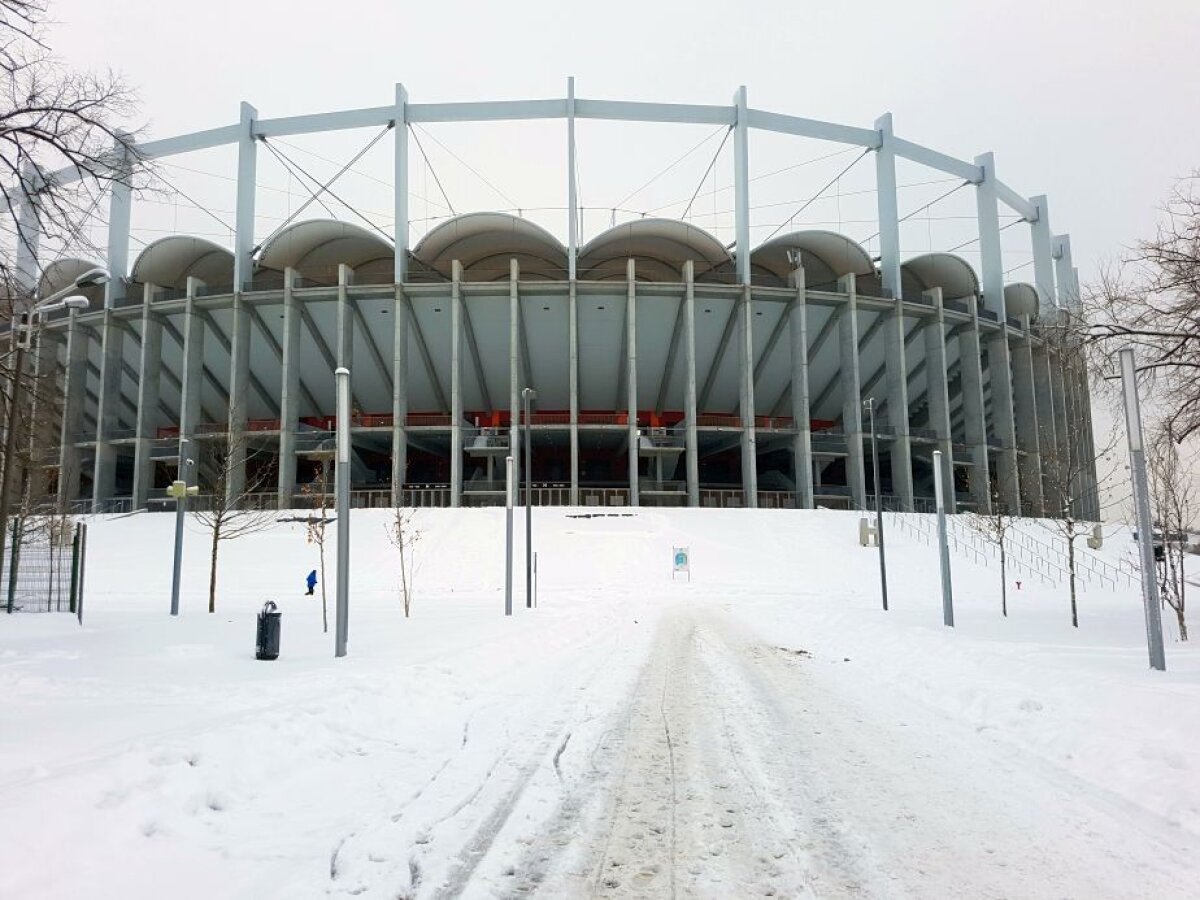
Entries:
{"x":937,"y":393}
{"x":1025,"y":402}
{"x":852,"y":399}
{"x":289,"y":394}
{"x":112,"y":350}
{"x":631,"y":377}
{"x":691,"y":446}
{"x":399,"y":396}
{"x":150,"y":367}
{"x":801,"y":413}
{"x":974,"y":424}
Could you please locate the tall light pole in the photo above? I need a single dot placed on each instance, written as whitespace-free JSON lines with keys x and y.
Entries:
{"x":509,"y":490}
{"x":180,"y":491}
{"x":943,"y":549}
{"x":1141,"y":503}
{"x":24,"y":323}
{"x":528,"y":394}
{"x":342,"y":501}
{"x":869,"y":406}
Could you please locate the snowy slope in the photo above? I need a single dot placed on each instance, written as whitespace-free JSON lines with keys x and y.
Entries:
{"x":462,"y":752}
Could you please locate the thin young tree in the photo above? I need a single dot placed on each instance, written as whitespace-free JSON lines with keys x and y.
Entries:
{"x":404,"y":534}
{"x":315,"y":529}
{"x":1176,"y":506}
{"x":995,"y":527}
{"x":231,"y":513}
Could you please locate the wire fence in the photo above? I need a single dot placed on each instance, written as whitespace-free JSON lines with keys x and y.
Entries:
{"x":43,"y":571}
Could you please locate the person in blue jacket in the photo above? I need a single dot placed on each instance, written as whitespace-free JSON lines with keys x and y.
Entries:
{"x":311,"y":581}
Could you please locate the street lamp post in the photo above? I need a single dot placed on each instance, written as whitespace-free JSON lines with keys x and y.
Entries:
{"x":24,"y":324}
{"x":528,"y":394}
{"x":869,"y":405}
{"x":1141,"y":504}
{"x":180,"y":491}
{"x":342,"y":479}
{"x":943,"y":549}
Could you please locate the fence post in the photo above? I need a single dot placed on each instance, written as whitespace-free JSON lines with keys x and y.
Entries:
{"x":74,"y":568}
{"x":82,"y":560}
{"x":14,"y":561}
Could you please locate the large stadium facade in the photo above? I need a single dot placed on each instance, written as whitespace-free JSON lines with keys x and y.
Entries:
{"x":668,"y":368}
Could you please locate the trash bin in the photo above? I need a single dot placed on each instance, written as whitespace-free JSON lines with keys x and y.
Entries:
{"x":268,"y":632}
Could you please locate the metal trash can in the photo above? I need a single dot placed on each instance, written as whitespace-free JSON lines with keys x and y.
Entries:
{"x":267,"y":646}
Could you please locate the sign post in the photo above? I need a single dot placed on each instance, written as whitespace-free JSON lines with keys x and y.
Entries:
{"x":508,"y":534}
{"x":342,"y":488}
{"x":943,"y":548}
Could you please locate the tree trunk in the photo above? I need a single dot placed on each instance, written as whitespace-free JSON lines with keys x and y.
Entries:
{"x":1071,"y":570}
{"x":1182,"y":624}
{"x":324,"y":604}
{"x":1003,"y":582}
{"x":212,"y":571}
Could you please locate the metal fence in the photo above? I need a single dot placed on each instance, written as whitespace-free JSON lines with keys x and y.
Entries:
{"x":44,"y":568}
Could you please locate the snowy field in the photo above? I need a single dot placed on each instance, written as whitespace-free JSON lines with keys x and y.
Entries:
{"x":764,"y":730}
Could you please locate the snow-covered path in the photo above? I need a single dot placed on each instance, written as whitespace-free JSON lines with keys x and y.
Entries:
{"x":763,"y":729}
{"x":739,"y":768}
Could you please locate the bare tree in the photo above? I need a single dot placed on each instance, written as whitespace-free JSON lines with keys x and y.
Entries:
{"x":53,"y":118}
{"x":315,"y":529}
{"x":994,"y":527}
{"x":404,"y":535}
{"x":1151,"y":300}
{"x":1176,"y":506}
{"x":228,"y":514}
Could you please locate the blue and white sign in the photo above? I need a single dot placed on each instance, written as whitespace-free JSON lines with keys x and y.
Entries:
{"x":680,"y":560}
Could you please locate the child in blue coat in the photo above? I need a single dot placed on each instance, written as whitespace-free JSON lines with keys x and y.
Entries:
{"x":312,"y":582}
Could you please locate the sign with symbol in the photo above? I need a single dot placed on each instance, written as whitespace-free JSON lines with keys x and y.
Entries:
{"x":680,"y":562}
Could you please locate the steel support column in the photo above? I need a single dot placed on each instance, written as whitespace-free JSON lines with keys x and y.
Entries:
{"x":108,"y":416}
{"x":400,"y":325}
{"x":749,"y":436}
{"x":741,"y":185}
{"x":1008,"y":488}
{"x":937,"y":391}
{"x":1026,"y":415}
{"x":887,"y":206}
{"x":247,"y":165}
{"x":514,"y":372}
{"x":801,"y":411}
{"x":691,"y":444}
{"x":456,"y":401}
{"x":400,"y":188}
{"x":150,"y":370}
{"x":856,"y":476}
{"x":631,"y":377}
{"x":573,"y":384}
{"x":970,"y":367}
{"x":896,"y":365}
{"x":74,"y":392}
{"x":239,"y":397}
{"x":289,"y":392}
{"x":120,"y":205}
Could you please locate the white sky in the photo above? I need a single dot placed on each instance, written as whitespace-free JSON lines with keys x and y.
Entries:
{"x":1092,"y":103}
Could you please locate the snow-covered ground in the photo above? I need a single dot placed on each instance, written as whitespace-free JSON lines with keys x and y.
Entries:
{"x":762,"y":730}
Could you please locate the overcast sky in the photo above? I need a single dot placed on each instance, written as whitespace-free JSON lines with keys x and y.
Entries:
{"x":1092,"y":103}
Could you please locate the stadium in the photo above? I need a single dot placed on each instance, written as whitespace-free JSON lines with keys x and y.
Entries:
{"x":660,"y":365}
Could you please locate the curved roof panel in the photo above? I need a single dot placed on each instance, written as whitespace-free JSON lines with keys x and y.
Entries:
{"x":170,"y":261}
{"x":1021,"y":299}
{"x":660,"y":247}
{"x":951,"y":273}
{"x":825,"y":255}
{"x":484,"y":242}
{"x":63,"y":272}
{"x":316,"y":248}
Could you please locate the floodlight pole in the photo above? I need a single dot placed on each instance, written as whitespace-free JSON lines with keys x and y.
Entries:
{"x":528,"y":394}
{"x":869,"y":403}
{"x":509,"y":489}
{"x":342,"y":500}
{"x":180,"y":501}
{"x":1141,"y":504}
{"x":943,"y":548}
